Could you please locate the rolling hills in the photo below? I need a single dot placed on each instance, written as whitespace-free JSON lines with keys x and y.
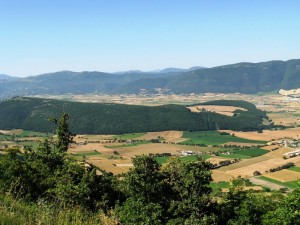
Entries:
{"x":245,"y":78}
{"x":105,"y":118}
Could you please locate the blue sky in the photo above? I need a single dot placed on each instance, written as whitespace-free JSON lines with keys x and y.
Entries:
{"x":39,"y":36}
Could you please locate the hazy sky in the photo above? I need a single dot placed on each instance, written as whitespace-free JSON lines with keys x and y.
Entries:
{"x":39,"y":36}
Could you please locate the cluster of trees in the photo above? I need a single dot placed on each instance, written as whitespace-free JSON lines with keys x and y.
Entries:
{"x":285,"y":166}
{"x":99,"y":118}
{"x":177,"y":193}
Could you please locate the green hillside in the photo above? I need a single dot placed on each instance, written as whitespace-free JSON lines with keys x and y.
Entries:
{"x":246,"y":78}
{"x":241,"y":77}
{"x":100,"y":118}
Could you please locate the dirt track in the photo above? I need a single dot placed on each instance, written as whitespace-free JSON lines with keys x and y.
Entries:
{"x":266,"y":184}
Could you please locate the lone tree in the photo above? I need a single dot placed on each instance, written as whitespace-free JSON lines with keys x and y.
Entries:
{"x":64,"y":135}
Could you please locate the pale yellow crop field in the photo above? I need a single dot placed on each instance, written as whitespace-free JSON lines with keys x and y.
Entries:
{"x":218,"y":175}
{"x":268,"y":135}
{"x":169,"y":136}
{"x":224,"y":110}
{"x":284,"y":175}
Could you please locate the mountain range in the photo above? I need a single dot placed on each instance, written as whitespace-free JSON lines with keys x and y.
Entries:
{"x":6,"y":77}
{"x":246,"y":78}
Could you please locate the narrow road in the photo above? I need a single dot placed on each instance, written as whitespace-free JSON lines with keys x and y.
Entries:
{"x":267,"y":184}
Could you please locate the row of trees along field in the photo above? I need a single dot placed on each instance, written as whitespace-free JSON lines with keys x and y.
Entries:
{"x":47,"y":186}
{"x":100,"y":118}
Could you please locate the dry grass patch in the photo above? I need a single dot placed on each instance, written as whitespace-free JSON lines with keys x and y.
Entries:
{"x":169,"y":136}
{"x":110,"y":165}
{"x":279,"y":152}
{"x":82,"y":138}
{"x":244,"y":163}
{"x":262,"y":167}
{"x":221,"y":176}
{"x":160,"y":148}
{"x":150,"y":148}
{"x":89,"y":147}
{"x":15,"y":132}
{"x":215,"y":160}
{"x":267,"y":135}
{"x":286,"y":119}
{"x":284,"y":175}
{"x":270,"y":147}
{"x":5,"y":131}
{"x":224,"y":110}
{"x":31,"y":139}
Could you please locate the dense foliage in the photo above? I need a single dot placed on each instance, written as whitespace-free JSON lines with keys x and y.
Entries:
{"x":46,"y":186}
{"x":99,"y":118}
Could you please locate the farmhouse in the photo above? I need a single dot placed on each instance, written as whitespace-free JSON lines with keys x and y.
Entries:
{"x":292,"y":153}
{"x":185,"y":153}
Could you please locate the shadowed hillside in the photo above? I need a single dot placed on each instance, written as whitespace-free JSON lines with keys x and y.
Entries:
{"x":100,"y":118}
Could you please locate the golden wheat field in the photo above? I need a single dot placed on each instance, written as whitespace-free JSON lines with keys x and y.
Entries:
{"x":284,"y":175}
{"x":169,"y":136}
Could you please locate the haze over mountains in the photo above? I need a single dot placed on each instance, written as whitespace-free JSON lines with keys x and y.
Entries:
{"x":6,"y":77}
{"x":246,"y":78}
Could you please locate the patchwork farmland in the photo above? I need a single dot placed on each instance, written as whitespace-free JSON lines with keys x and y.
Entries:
{"x":250,"y":151}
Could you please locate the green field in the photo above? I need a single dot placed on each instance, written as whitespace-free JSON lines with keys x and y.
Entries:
{"x":234,"y":156}
{"x":26,"y":133}
{"x":4,"y":137}
{"x":253,"y":152}
{"x":128,"y":136}
{"x":23,"y":134}
{"x":189,"y":158}
{"x":221,"y":184}
{"x":291,"y":184}
{"x":32,"y":144}
{"x":88,"y":153}
{"x":214,"y":138}
{"x":243,"y":153}
{"x":294,"y":168}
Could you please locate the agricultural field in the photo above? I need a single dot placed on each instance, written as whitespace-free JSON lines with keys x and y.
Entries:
{"x":243,"y":153}
{"x":268,"y":135}
{"x":168,"y":136}
{"x":284,"y":175}
{"x":294,"y":168}
{"x":191,"y":158}
{"x":290,"y":184}
{"x":273,"y":159}
{"x":215,"y":138}
{"x":114,"y":152}
{"x":224,"y":110}
{"x":20,"y":138}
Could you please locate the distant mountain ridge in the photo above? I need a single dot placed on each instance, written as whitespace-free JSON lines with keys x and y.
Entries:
{"x":6,"y":77}
{"x":178,"y":70}
{"x":246,"y":78}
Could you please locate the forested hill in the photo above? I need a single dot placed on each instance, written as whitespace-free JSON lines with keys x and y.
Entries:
{"x":102,"y":118}
{"x":240,"y":77}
